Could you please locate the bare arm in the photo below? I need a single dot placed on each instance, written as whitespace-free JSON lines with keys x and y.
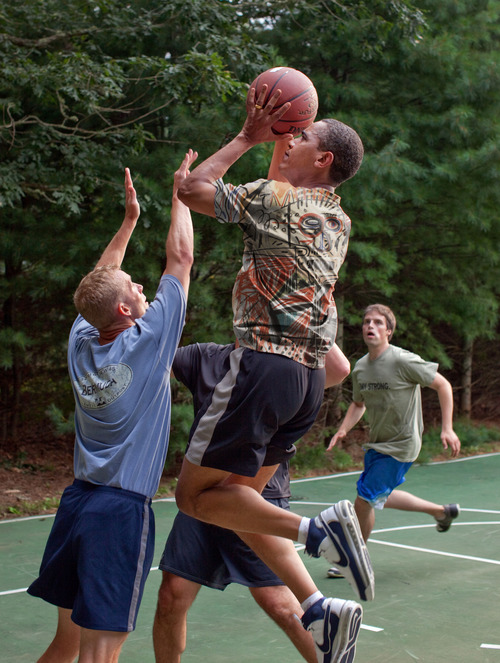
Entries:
{"x":179,"y":244}
{"x":337,"y":367}
{"x":115,"y":251}
{"x":274,"y":173}
{"x":445,"y":394}
{"x":354,"y":413}
{"x":198,"y":190}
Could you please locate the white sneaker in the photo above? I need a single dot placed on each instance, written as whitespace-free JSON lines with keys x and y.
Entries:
{"x":334,"y":630}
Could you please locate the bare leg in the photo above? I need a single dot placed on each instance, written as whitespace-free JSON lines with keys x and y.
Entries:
{"x":400,"y":499}
{"x":100,"y":646}
{"x":65,"y":646}
{"x":233,"y":501}
{"x":280,"y":604}
{"x":230,"y":501}
{"x":366,"y":516}
{"x":175,"y":597}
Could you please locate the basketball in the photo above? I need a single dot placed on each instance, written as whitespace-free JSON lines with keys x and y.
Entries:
{"x":296,"y":88}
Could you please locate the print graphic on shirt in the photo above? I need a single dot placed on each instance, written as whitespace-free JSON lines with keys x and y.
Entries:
{"x":97,"y":390}
{"x":295,"y":243}
{"x":373,"y":386}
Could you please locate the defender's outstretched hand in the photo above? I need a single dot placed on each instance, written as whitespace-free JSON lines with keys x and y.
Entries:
{"x":132,"y":208}
{"x":183,"y":171}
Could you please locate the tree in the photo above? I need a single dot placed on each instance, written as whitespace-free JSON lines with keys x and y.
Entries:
{"x":424,"y":95}
{"x":87,"y":88}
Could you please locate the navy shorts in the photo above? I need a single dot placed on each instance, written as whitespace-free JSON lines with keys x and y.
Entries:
{"x":98,"y":556}
{"x":213,"y":556}
{"x":263,"y":399}
{"x":382,"y":474}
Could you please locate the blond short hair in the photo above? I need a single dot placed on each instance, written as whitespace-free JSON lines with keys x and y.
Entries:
{"x":389,"y":316}
{"x":98,"y":294}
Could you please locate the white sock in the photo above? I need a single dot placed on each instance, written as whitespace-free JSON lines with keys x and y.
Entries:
{"x":303,"y":530}
{"x":311,"y":600}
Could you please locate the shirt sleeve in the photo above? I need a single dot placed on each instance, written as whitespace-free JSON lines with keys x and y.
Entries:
{"x":415,"y":369}
{"x":232,"y":202}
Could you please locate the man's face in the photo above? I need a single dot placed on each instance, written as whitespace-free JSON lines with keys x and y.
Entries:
{"x":298,"y":161}
{"x":375,"y":332}
{"x":133,"y":296}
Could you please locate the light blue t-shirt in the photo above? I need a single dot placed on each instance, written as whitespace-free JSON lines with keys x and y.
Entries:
{"x":122,"y":395}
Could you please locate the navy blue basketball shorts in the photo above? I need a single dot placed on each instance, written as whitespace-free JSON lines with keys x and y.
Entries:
{"x":213,"y":556}
{"x":263,"y":400}
{"x":98,"y":556}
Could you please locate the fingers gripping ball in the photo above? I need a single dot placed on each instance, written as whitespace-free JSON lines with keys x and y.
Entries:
{"x":296,"y":88}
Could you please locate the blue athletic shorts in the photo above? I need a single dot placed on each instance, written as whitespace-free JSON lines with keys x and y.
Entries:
{"x":98,"y":556}
{"x":263,"y":399}
{"x":381,"y":475}
{"x":213,"y":556}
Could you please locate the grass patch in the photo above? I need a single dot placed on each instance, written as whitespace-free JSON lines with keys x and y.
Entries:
{"x":25,"y":508}
{"x":474,"y":439}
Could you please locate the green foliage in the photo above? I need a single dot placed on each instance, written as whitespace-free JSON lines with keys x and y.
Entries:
{"x":182,"y":418}
{"x":89,"y":88}
{"x":62,"y":425}
{"x":473,"y":438}
{"x":312,"y":458}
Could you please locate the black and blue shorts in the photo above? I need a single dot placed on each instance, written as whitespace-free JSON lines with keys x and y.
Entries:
{"x":213,"y":556}
{"x":263,"y":400}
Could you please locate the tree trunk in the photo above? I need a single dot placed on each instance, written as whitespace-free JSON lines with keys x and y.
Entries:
{"x":466,"y":396}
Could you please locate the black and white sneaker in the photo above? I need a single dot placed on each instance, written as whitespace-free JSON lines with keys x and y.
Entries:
{"x":334,"y":625}
{"x":335,"y":534}
{"x":333,"y":572}
{"x":451,"y":511}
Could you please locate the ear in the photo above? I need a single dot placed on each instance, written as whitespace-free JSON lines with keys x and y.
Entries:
{"x":123,"y":309}
{"x":324,"y":160}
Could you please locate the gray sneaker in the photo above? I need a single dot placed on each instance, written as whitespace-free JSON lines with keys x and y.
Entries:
{"x":451,"y":511}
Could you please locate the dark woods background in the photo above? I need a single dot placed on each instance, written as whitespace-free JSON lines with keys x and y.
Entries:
{"x":89,"y":87}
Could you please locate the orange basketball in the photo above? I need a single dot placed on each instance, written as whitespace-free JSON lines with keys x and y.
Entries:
{"x":296,"y":88}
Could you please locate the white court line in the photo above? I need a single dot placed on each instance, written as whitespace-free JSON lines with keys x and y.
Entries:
{"x":437,"y":552}
{"x":484,"y":646}
{"x":13,"y":591}
{"x":293,"y":481}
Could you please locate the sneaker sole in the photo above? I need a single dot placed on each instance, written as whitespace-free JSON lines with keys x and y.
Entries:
{"x":344,"y":642}
{"x":355,"y":560}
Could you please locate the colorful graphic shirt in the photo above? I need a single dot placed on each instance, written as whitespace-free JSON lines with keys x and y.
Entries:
{"x":389,"y":386}
{"x":295,"y":243}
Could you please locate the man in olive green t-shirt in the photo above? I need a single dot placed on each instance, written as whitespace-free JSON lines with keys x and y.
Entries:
{"x":386,"y":385}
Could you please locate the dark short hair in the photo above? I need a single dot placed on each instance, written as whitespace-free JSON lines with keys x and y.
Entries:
{"x":389,"y":316}
{"x":346,"y":147}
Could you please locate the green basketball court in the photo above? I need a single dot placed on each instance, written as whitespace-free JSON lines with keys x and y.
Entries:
{"x":437,"y":595}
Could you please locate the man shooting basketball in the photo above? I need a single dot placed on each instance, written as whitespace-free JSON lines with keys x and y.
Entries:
{"x":296,"y":237}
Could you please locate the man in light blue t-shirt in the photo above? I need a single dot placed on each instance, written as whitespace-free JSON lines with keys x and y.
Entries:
{"x":120,"y":354}
{"x":386,"y":385}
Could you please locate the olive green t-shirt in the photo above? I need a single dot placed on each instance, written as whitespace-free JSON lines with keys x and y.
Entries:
{"x":389,"y":386}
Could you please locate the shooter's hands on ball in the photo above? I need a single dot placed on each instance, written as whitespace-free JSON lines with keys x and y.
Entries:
{"x":260,"y":117}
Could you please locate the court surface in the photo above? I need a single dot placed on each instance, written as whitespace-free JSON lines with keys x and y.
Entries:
{"x":437,"y":595}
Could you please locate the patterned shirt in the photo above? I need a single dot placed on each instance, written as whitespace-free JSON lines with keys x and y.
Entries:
{"x":295,"y":243}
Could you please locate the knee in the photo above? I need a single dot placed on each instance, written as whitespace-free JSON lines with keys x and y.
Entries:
{"x":173,"y":599}
{"x":279,"y":604}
